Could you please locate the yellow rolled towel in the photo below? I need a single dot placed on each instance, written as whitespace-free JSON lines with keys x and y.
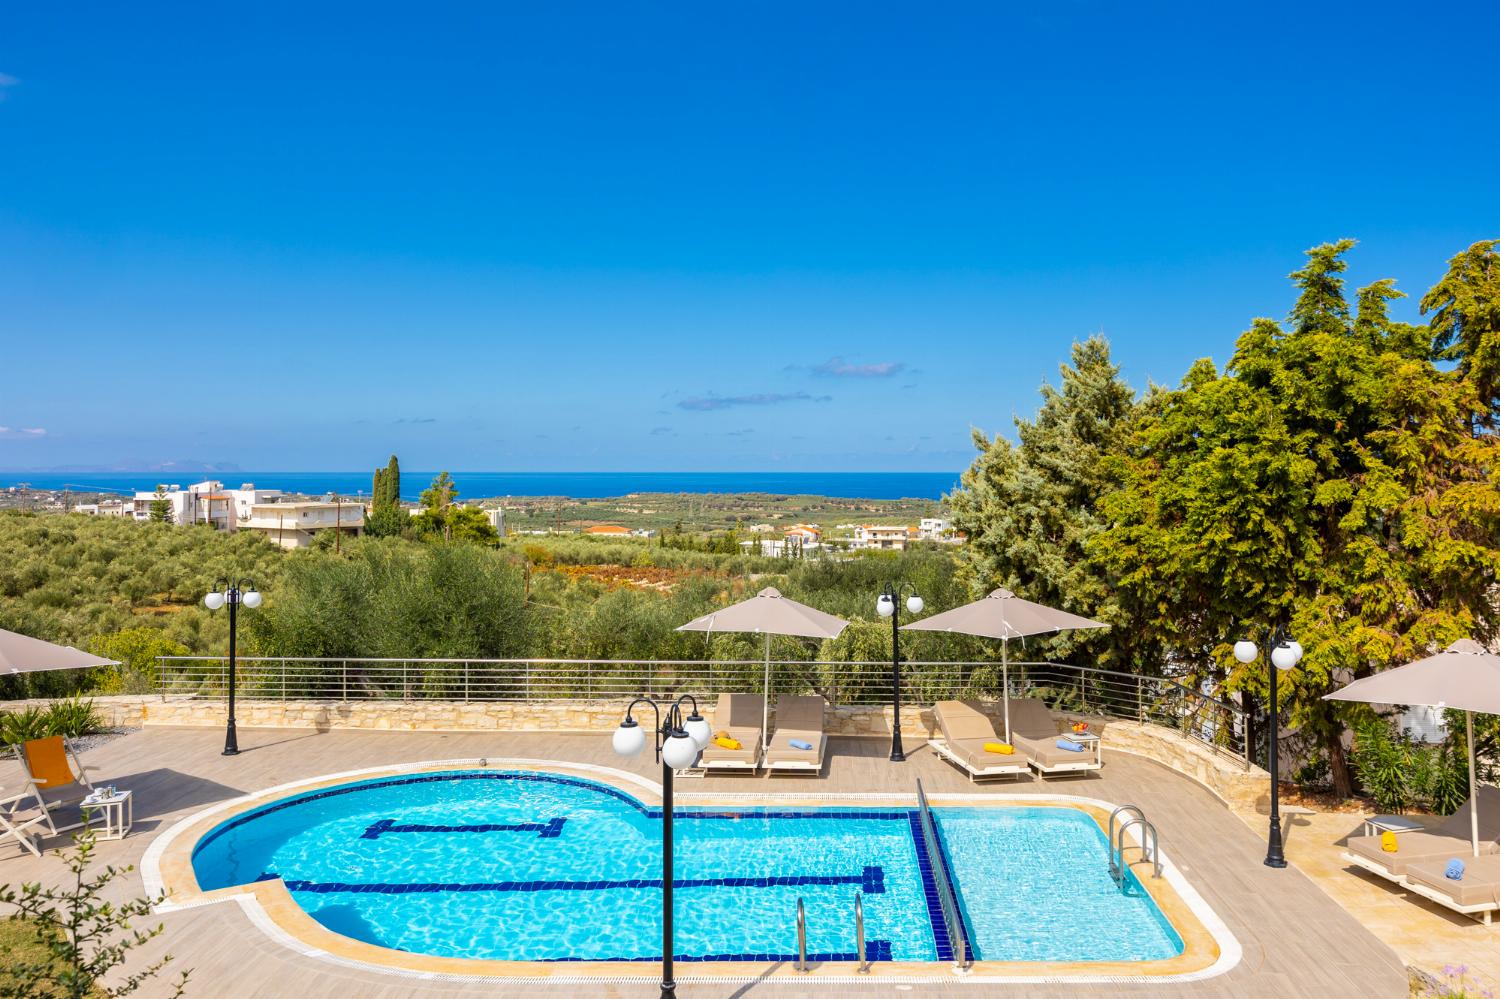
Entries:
{"x":1003,"y":748}
{"x":725,"y":742}
{"x":1388,"y":842}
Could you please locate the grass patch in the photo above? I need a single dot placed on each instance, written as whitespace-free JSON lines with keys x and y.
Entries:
{"x":19,"y":948}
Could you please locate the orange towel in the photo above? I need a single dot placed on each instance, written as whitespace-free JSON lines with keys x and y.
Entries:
{"x":48,"y":761}
{"x":1388,"y":842}
{"x":725,"y":742}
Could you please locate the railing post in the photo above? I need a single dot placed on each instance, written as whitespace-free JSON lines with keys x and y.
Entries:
{"x":526,"y":681}
{"x":405,"y":680}
{"x":346,"y":680}
{"x":1140,"y":700}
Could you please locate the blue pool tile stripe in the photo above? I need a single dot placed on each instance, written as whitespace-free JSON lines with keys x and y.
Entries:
{"x":875,"y":950}
{"x":550,"y":829}
{"x":929,"y":890}
{"x":871,"y":880}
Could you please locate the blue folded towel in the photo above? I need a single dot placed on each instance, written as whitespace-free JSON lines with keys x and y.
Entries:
{"x":1454,"y":870}
{"x":799,"y":743}
{"x":1069,"y":745}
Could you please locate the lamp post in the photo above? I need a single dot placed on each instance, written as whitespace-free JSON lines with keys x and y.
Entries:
{"x":678,"y":743}
{"x":233,"y":594}
{"x":1284,"y":654}
{"x":887,"y":606}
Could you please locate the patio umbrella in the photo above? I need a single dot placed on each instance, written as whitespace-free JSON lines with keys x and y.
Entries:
{"x":769,"y":613}
{"x":1003,"y":615}
{"x":1465,"y":676}
{"x":24,"y":654}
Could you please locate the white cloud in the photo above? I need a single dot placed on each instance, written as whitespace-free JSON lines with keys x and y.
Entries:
{"x":22,"y":433}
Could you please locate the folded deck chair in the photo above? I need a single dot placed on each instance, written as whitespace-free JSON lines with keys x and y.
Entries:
{"x":19,"y":830}
{"x":1476,"y":894}
{"x":798,"y":718}
{"x":1034,"y":732}
{"x":54,"y":778}
{"x":965,"y":731}
{"x":1450,"y":838}
{"x":740,"y":716}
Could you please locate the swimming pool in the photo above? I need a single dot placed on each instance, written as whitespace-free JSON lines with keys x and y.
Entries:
{"x":524,"y":865}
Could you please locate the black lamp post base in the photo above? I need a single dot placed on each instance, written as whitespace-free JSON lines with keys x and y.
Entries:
{"x":230,"y":752}
{"x":1276,"y":862}
{"x":668,"y":990}
{"x":897,"y":756}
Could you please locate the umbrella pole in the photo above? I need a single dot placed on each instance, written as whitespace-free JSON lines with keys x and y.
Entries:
{"x":1473,"y":801}
{"x":765,"y":700}
{"x":1005,"y":683}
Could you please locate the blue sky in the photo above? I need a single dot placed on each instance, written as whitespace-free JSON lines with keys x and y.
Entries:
{"x":614,"y":237}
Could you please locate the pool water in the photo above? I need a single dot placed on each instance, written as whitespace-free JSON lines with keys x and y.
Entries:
{"x":547,"y":867}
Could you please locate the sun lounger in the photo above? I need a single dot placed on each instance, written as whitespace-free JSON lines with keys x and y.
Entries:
{"x":965,"y":730}
{"x":741,"y":717}
{"x":1450,"y":838}
{"x":1412,"y":849}
{"x":1476,"y":894}
{"x":1034,"y":732}
{"x":53,"y":776}
{"x":798,"y":718}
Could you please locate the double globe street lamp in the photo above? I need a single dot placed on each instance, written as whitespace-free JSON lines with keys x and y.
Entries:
{"x":1284,"y":654}
{"x":888,"y":606}
{"x":679,"y":740}
{"x":232,"y":594}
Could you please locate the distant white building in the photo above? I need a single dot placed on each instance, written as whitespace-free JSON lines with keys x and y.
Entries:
{"x":297,"y":525}
{"x":935,"y":529}
{"x":206,"y":502}
{"x":496,"y":517}
{"x":893,"y":537}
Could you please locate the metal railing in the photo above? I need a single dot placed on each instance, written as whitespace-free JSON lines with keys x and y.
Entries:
{"x":953,"y":921}
{"x":1164,"y":701}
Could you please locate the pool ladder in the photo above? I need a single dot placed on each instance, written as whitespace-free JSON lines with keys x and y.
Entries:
{"x":802,"y":967}
{"x":1127,"y":816}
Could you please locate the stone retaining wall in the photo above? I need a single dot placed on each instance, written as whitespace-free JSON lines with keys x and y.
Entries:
{"x":1229,"y":780}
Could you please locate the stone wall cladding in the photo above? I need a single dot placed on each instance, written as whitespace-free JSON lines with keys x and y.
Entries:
{"x":1228,"y":779}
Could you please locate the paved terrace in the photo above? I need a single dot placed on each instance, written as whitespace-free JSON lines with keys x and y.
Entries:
{"x":1297,"y":941}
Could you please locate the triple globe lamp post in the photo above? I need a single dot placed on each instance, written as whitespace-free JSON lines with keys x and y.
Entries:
{"x":888,"y":605}
{"x":678,"y":741}
{"x":232,"y":594}
{"x":1284,"y":653}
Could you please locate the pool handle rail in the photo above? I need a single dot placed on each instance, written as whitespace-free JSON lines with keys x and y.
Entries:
{"x":859,"y":933}
{"x":801,"y":966}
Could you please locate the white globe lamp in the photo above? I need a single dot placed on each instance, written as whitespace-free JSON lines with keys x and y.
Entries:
{"x":1284,"y":657}
{"x":213,"y":600}
{"x":251,"y":599}
{"x":679,"y":751}
{"x":698,"y":730}
{"x":914,"y":604}
{"x":1245,"y":651}
{"x":629,"y":739}
{"x":885,"y":606}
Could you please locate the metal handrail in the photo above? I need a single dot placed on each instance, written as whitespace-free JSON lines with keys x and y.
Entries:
{"x":952,"y":917}
{"x":801,"y":964}
{"x":1166,"y":701}
{"x":1118,"y":868}
{"x":859,"y":933}
{"x":1140,"y":813}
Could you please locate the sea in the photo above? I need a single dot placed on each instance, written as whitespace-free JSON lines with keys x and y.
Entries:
{"x":484,"y":485}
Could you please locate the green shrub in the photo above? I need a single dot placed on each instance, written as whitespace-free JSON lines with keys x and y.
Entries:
{"x":1382,"y":762}
{"x":21,"y":726}
{"x":73,"y":717}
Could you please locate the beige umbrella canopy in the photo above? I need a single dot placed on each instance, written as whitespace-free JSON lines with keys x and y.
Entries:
{"x":24,"y":654}
{"x":1465,"y":676}
{"x":769,"y":613}
{"x":1003,"y":615}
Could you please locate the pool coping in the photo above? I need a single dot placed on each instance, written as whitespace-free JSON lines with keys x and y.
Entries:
{"x":1209,"y":947}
